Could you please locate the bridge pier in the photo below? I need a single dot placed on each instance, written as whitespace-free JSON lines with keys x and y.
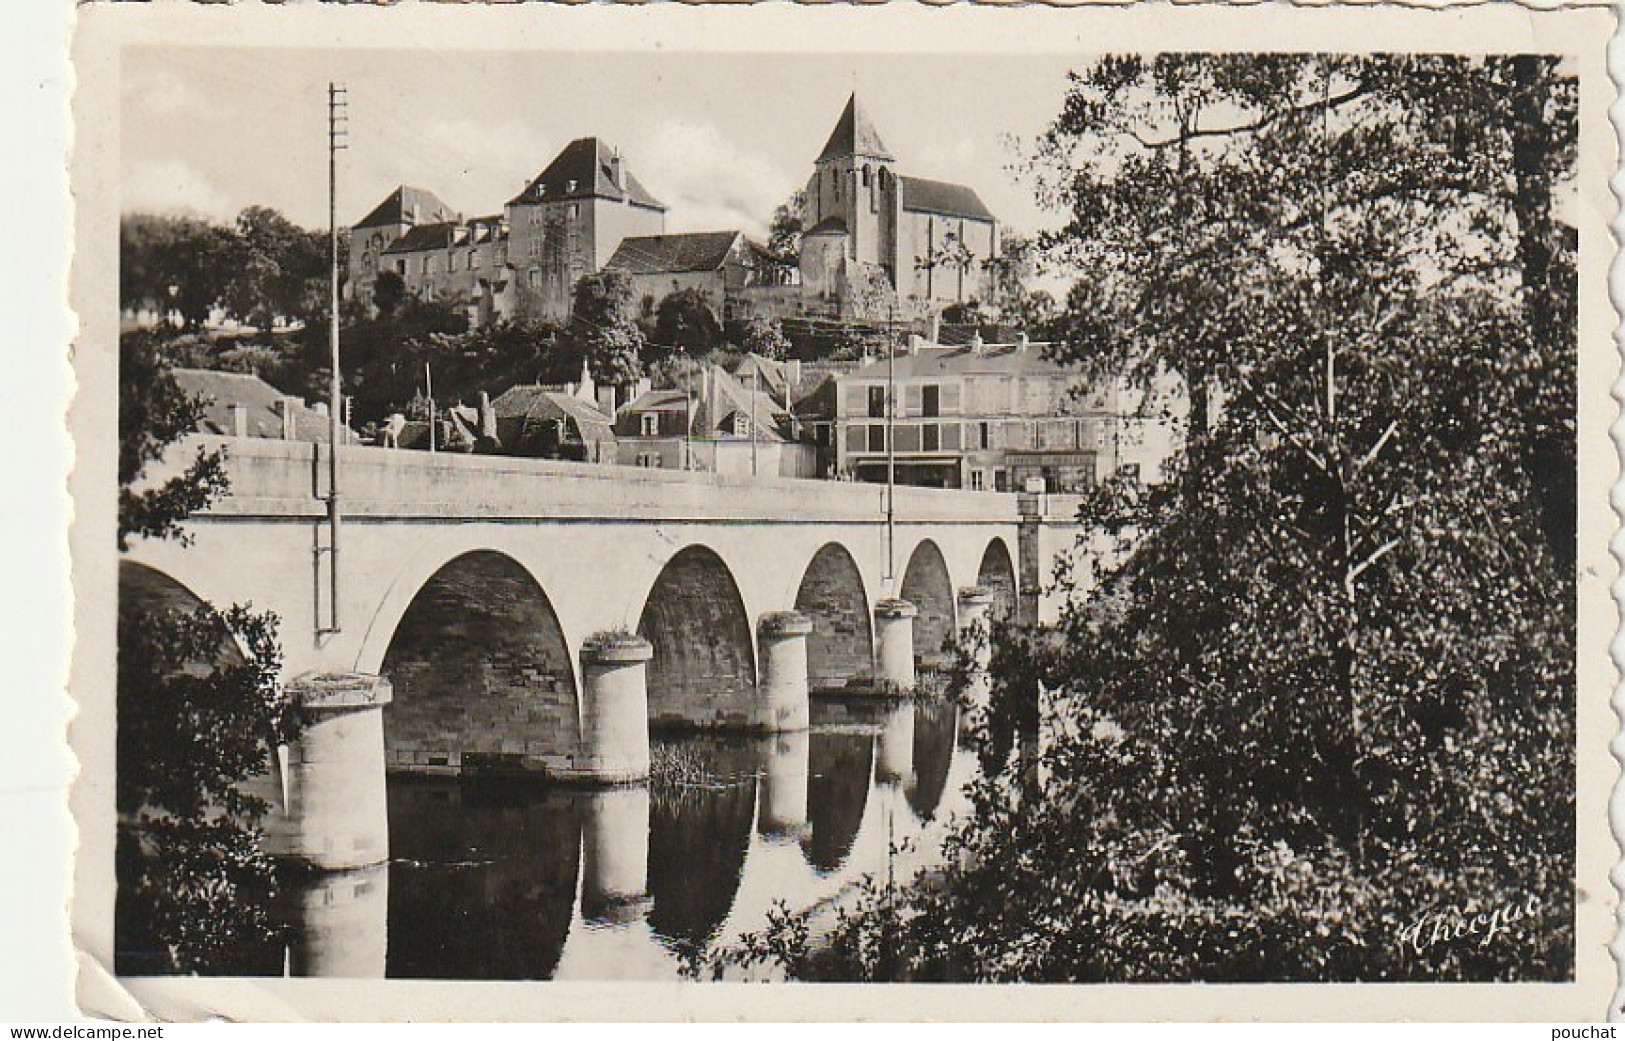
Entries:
{"x":782,"y":637}
{"x":975,"y":605}
{"x":783,"y":810}
{"x":894,"y":639}
{"x":343,"y":921}
{"x":614,"y":708}
{"x":335,"y":816}
{"x":615,"y":854}
{"x":894,"y":756}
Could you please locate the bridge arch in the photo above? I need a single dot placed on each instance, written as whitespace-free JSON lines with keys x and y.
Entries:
{"x":998,"y":574}
{"x":841,"y":647}
{"x":703,"y":672}
{"x":483,"y":675}
{"x":142,"y":585}
{"x":927,"y":586}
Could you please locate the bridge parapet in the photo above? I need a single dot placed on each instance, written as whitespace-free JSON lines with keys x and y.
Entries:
{"x":289,"y":479}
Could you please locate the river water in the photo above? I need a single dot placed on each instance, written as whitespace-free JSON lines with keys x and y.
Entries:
{"x":504,"y":880}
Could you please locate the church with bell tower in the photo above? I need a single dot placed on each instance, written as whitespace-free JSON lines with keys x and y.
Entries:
{"x":869,"y":230}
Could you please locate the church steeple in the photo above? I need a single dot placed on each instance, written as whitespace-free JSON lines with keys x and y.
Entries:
{"x":855,"y":136}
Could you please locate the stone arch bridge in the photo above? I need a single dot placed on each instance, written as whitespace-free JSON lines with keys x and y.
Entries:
{"x":506,"y":614}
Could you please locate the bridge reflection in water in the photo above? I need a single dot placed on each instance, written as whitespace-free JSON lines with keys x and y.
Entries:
{"x":495,"y":879}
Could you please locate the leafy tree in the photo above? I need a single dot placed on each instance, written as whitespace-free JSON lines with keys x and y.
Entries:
{"x":178,"y":263}
{"x":282,"y":272}
{"x":1318,"y":684}
{"x":197,"y":717}
{"x":686,"y":319}
{"x":199,"y":713}
{"x":602,"y":329}
{"x":764,"y":336}
{"x":153,"y":413}
{"x":784,"y":233}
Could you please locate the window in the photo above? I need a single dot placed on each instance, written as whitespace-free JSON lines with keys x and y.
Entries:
{"x":835,"y":180}
{"x":473,"y":260}
{"x":400,"y":267}
{"x":977,"y":477}
{"x":575,"y":209}
{"x":535,"y":278}
{"x":983,"y":441}
{"x":877,"y":437}
{"x":650,"y":424}
{"x":866,"y":175}
{"x":930,"y":437}
{"x":425,"y":265}
{"x":1129,"y":471}
{"x":1001,"y":481}
{"x":931,"y":401}
{"x":877,"y":402}
{"x":649,"y":460}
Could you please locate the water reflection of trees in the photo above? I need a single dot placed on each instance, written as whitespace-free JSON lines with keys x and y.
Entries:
{"x":484,"y":879}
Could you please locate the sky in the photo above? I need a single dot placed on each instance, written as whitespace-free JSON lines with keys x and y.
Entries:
{"x":722,"y":139}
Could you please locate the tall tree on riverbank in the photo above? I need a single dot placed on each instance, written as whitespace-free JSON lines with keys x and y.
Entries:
{"x":1328,"y":688}
{"x":200,"y":712}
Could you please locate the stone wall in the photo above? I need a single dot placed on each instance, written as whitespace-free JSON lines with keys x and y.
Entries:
{"x":703,"y":672}
{"x":840,"y":649}
{"x":482,"y":675}
{"x":926,"y":585}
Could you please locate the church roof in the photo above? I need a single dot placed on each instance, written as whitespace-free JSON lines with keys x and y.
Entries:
{"x":585,"y":169}
{"x":660,"y":254}
{"x":854,"y":135}
{"x":950,"y":200}
{"x":406,"y":205}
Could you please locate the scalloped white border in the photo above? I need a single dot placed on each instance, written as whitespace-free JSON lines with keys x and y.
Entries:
{"x":34,"y":616}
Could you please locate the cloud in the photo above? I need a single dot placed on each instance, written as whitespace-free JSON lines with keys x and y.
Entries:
{"x":171,"y":186}
{"x":709,"y":182}
{"x":946,"y":159}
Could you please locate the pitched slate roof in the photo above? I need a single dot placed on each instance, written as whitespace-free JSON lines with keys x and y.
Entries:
{"x":662,"y":254}
{"x":936,"y":360}
{"x":406,"y":205}
{"x":854,"y":135}
{"x":424,"y":237}
{"x":221,"y":390}
{"x":585,"y":170}
{"x":950,"y":200}
{"x":530,"y":403}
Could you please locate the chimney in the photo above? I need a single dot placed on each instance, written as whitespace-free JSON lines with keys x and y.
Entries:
{"x":641,"y":387}
{"x":936,"y":327}
{"x":1021,"y":342}
{"x":606,"y":401}
{"x":284,"y":408}
{"x":239,"y":420}
{"x":976,"y":344}
{"x":616,"y":170}
{"x":792,"y":374}
{"x":488,"y":417}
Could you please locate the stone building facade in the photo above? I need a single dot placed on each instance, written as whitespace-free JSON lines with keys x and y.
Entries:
{"x":878,"y":245}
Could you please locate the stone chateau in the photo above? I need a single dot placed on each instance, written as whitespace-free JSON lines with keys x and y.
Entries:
{"x":877,"y":244}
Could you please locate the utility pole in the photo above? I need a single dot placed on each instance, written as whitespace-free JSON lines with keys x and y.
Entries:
{"x":428,"y":392}
{"x":891,"y":448}
{"x":337,"y":131}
